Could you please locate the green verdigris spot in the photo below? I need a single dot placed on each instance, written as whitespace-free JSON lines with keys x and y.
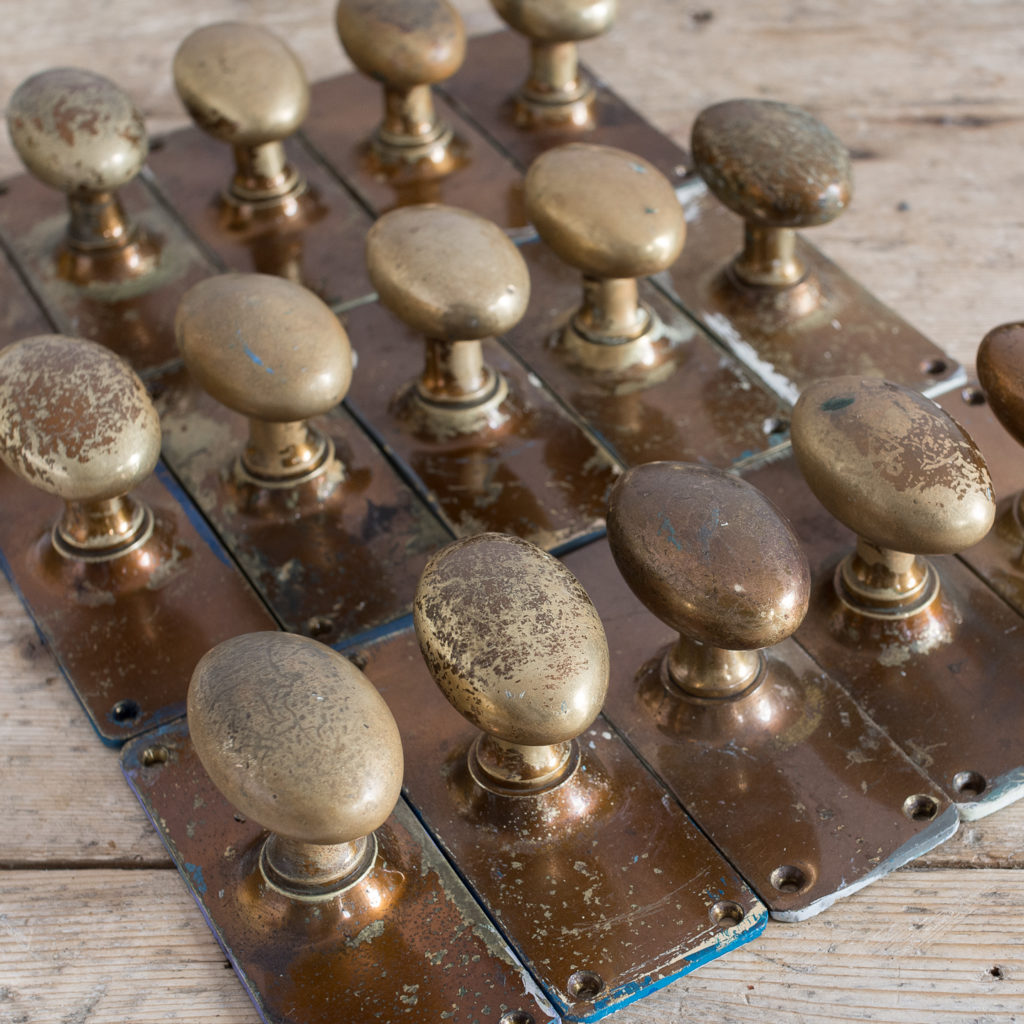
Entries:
{"x":837,"y":403}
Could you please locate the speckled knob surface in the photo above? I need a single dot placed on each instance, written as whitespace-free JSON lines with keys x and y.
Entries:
{"x":558,"y":21}
{"x":77,"y":131}
{"x":605,"y":211}
{"x":772,"y":163}
{"x":447,"y":273}
{"x":263,"y":346}
{"x":1001,"y":375}
{"x":892,"y":465}
{"x":708,"y":554}
{"x":75,"y":420}
{"x":295,"y":737}
{"x":402,"y":43}
{"x":241,"y":83}
{"x":512,"y":639}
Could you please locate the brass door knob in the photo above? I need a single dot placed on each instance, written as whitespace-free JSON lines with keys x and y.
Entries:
{"x":714,"y":559}
{"x":78,"y":132}
{"x":556,"y":91}
{"x":272,"y":351}
{"x":300,"y":741}
{"x":1000,"y":366}
{"x":615,"y":217}
{"x":408,"y":45}
{"x":516,"y":646}
{"x":457,"y":279}
{"x":780,"y":169}
{"x":902,"y":474}
{"x":77,"y":422}
{"x":241,"y":84}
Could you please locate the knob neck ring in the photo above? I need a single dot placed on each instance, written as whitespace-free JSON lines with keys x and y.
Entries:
{"x":283,"y":455}
{"x":101,"y":244}
{"x":100,"y":531}
{"x":694,"y":670}
{"x":769,"y":258}
{"x":556,"y":91}
{"x":313,"y":872}
{"x":886,"y":584}
{"x":518,"y":769}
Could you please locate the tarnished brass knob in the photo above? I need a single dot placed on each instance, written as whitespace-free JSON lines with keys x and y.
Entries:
{"x":556,"y":91}
{"x":272,"y":351}
{"x":457,"y":279}
{"x":516,"y":646}
{"x":711,"y":557}
{"x":300,"y":741}
{"x":780,"y":169}
{"x":615,"y":217}
{"x":408,"y":45}
{"x":76,"y":421}
{"x":1001,"y":374}
{"x":78,"y":132}
{"x":244,"y":86}
{"x":902,"y":474}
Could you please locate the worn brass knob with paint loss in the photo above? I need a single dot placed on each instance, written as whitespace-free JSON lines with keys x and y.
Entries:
{"x":76,"y":421}
{"x":300,"y":741}
{"x":78,"y":132}
{"x":903,"y":475}
{"x":272,"y":351}
{"x":516,"y":646}
{"x":712,"y":558}
{"x":615,"y":217}
{"x":557,"y":92}
{"x":408,"y":45}
{"x":780,"y":169}
{"x":457,"y":279}
{"x":242,"y":85}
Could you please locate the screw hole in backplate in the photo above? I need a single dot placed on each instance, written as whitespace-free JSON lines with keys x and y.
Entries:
{"x":969,"y":784}
{"x":124,"y":712}
{"x":727,"y":914}
{"x":934,"y":367}
{"x":585,"y":986}
{"x":516,"y":1017}
{"x":972,"y":396}
{"x":789,"y":879}
{"x":920,"y":807}
{"x":155,"y":755}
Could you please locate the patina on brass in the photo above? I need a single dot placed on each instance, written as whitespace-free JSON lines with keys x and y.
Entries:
{"x":515,"y":645}
{"x":557,"y":92}
{"x":408,"y":45}
{"x":76,"y":421}
{"x":273,"y":351}
{"x":457,"y":279}
{"x":614,"y":216}
{"x":77,"y":132}
{"x":898,"y":471}
{"x":780,"y":169}
{"x":244,"y":86}
{"x":297,"y":738}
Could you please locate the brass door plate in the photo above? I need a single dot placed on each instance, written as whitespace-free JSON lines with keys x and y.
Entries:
{"x":849,"y":332}
{"x":321,"y":247}
{"x":603,"y":886}
{"x":127,"y":637}
{"x":484,"y":183}
{"x":541,"y":476}
{"x":496,"y":66}
{"x":804,"y":795}
{"x":684,"y":409}
{"x":135,"y":318}
{"x":407,"y":942}
{"x":332,"y":558}
{"x":958,"y":709}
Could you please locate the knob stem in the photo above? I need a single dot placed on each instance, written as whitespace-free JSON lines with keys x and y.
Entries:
{"x":501,"y":766}
{"x":769,"y":257}
{"x":874,"y":578}
{"x":554,"y":73}
{"x":310,"y":870}
{"x":409,"y":116}
{"x":100,"y":530}
{"x":284,"y":454}
{"x":101,"y":243}
{"x":262,"y":173}
{"x":701,"y":670}
{"x":454,"y":371}
{"x":611,"y":310}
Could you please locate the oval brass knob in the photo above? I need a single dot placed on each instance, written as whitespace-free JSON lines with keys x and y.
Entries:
{"x":615,"y":217}
{"x":299,"y":740}
{"x":1001,"y":375}
{"x":456,"y":278}
{"x":408,"y":45}
{"x":274,"y":352}
{"x":780,"y":169}
{"x":556,"y":91}
{"x":898,"y":471}
{"x":714,"y":559}
{"x":77,"y":422}
{"x":81,"y":134}
{"x":517,"y":647}
{"x":243,"y":85}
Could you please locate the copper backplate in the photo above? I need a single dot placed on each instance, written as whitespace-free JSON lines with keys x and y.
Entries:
{"x":805,"y":796}
{"x":406,"y":940}
{"x":602,"y":885}
{"x":956,"y":709}
{"x":331,"y":565}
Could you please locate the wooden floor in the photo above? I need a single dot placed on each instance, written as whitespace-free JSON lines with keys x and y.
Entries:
{"x":95,"y":926}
